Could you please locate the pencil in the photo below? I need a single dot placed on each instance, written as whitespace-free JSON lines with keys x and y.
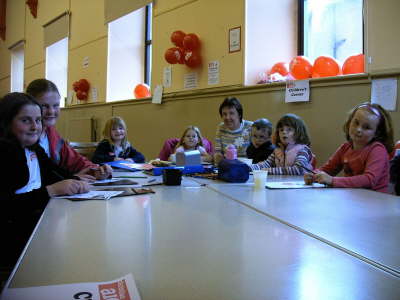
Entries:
{"x":130,"y":176}
{"x":307,"y":169}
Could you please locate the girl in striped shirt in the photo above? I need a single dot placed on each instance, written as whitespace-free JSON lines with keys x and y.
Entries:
{"x":293,"y":153}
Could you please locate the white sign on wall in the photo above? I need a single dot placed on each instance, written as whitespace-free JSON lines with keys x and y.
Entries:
{"x":297,"y":91}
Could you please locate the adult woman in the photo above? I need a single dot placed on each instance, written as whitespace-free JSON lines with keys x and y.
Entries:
{"x":233,"y":130}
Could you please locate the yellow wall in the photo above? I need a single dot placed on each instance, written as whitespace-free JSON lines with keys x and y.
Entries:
{"x":149,"y":124}
{"x":211,"y":21}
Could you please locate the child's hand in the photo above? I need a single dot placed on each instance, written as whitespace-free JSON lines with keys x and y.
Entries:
{"x":308,"y":178}
{"x":67,"y":187}
{"x":85,"y":175}
{"x":324,"y":178}
{"x":103,"y":172}
{"x":118,"y":158}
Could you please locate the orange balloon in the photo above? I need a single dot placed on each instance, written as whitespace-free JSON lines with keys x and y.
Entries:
{"x":142,"y":91}
{"x":325,"y":66}
{"x":281,"y":68}
{"x":354,"y":64}
{"x":300,"y":67}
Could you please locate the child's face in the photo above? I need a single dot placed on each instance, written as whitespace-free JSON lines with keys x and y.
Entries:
{"x":259,"y":137}
{"x":190,"y":140}
{"x":117,"y":133}
{"x":287,"y":135}
{"x":27,"y":125}
{"x":362,"y":128}
{"x":50,"y":102}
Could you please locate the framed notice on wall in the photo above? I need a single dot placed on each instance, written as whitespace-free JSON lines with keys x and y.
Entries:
{"x":234,"y":39}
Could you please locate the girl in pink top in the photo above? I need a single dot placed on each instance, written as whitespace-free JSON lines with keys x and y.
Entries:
{"x":364,"y":159}
{"x":192,"y":140}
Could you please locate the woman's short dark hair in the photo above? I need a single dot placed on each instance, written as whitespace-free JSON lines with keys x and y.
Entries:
{"x":232,"y":102}
{"x":40,"y":86}
{"x":10,"y":106}
{"x":300,"y":129}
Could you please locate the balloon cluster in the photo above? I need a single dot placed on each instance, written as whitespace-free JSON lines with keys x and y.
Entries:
{"x":142,"y":90}
{"x":324,"y":66}
{"x":186,"y":50}
{"x":81,"y":88}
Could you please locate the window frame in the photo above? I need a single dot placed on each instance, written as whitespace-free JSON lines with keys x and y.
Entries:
{"x":301,"y":28}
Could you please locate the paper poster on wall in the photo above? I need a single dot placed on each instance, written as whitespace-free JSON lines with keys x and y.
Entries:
{"x":157,"y":94}
{"x":167,"y":77}
{"x":384,"y":92}
{"x":123,"y":288}
{"x":190,"y":81}
{"x":297,"y":91}
{"x":234,"y":39}
{"x":213,"y":72}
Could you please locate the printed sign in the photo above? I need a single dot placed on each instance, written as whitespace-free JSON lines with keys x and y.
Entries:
{"x":119,"y":289}
{"x":297,"y":91}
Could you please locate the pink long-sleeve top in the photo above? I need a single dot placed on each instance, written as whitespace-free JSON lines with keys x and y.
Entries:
{"x":364,"y":168}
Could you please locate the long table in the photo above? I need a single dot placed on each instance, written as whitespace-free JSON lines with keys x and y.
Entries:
{"x":193,"y":242}
{"x":362,"y":222}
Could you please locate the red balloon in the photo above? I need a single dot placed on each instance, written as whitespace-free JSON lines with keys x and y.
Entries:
{"x":81,"y":95}
{"x":354,"y":64}
{"x":177,"y":38}
{"x":325,"y":66}
{"x":192,"y":59}
{"x":75,"y":86}
{"x":83,"y":85}
{"x":280,"y":67}
{"x":175,"y":55}
{"x":191,"y":42}
{"x":142,"y":91}
{"x":300,"y":67}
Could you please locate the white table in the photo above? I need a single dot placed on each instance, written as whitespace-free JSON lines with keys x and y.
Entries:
{"x":191,"y":242}
{"x":362,"y":222}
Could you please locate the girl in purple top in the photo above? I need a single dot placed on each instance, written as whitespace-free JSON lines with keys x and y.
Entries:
{"x":364,"y":159}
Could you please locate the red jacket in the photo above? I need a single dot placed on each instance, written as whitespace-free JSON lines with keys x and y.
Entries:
{"x":65,"y":157}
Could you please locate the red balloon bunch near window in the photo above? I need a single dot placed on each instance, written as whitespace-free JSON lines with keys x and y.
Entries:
{"x":81,"y":88}
{"x":186,"y":50}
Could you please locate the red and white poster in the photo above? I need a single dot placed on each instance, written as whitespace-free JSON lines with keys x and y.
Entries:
{"x":120,"y":289}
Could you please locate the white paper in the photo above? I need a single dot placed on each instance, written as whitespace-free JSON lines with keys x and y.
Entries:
{"x":234,"y":39}
{"x":213,"y":72}
{"x":85,"y":62}
{"x":157,"y":94}
{"x":292,"y":185}
{"x":92,"y":195}
{"x":94,"y":94}
{"x":123,"y":288}
{"x":190,"y":80}
{"x":297,"y":91}
{"x":167,"y":76}
{"x":384,"y":92}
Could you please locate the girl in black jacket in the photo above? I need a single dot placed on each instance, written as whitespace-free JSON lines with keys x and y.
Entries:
{"x":115,"y":145}
{"x":30,"y":178}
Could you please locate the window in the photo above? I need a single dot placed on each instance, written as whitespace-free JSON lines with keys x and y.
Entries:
{"x":330,"y":27}
{"x":17,"y":68}
{"x":129,"y":53}
{"x":57,"y":66}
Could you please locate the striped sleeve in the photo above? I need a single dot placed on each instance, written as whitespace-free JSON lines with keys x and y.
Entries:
{"x":303,"y":158}
{"x":266,"y":164}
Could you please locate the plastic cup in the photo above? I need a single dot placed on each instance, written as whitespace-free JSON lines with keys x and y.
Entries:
{"x":260,"y":178}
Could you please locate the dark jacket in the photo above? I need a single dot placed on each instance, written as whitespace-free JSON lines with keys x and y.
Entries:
{"x":19,"y":213}
{"x":105,"y":153}
{"x":261,"y":153}
{"x":395,"y":173}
